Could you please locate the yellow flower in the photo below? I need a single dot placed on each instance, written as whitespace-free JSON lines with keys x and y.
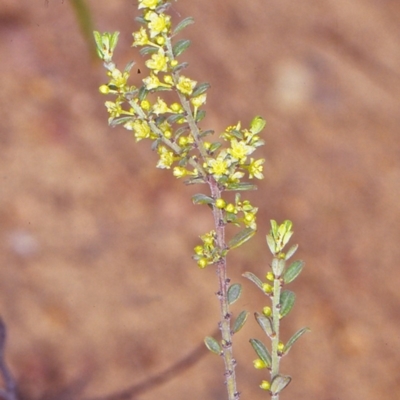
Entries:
{"x":255,"y":168}
{"x":198,"y":101}
{"x":158,"y":23}
{"x":140,"y":127}
{"x":240,"y":150}
{"x":160,"y":107}
{"x":259,"y":364}
{"x":166,"y":157}
{"x":152,"y":82}
{"x":218,"y":167}
{"x":152,"y":4}
{"x":186,"y":85}
{"x":158,"y":62}
{"x":140,"y":38}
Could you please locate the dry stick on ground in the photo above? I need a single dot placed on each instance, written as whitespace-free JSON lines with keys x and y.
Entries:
{"x":10,"y":390}
{"x":168,"y":374}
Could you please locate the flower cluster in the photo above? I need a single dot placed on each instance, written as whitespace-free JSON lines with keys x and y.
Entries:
{"x":173,"y":126}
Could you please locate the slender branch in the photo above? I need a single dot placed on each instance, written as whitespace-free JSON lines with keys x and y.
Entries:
{"x":10,"y":391}
{"x":225,"y":323}
{"x":275,"y":340}
{"x":168,"y":374}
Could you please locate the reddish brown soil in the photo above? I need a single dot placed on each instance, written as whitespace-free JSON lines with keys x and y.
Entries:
{"x":96,"y":282}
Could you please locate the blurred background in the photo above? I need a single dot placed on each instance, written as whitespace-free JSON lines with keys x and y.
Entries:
{"x":97,"y":286}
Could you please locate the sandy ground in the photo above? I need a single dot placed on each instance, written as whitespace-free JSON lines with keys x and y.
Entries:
{"x":96,"y":282}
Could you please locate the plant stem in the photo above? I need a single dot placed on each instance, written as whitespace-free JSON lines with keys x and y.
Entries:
{"x":275,"y":340}
{"x":225,"y":323}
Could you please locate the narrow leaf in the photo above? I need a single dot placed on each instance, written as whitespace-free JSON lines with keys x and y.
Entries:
{"x":279,"y":383}
{"x":180,"y":47}
{"x":129,"y":66}
{"x":206,"y":133}
{"x":286,"y":302}
{"x":240,"y":321}
{"x":147,"y":50}
{"x":200,"y":115}
{"x":183,"y":24}
{"x":234,"y":292}
{"x":265,"y":323}
{"x":202,"y":199}
{"x":241,"y":186}
{"x":251,"y":277}
{"x":293,"y":271}
{"x":291,"y":251}
{"x":241,"y":238}
{"x":213,"y":147}
{"x":294,"y":339}
{"x":212,"y":345}
{"x":200,"y":89}
{"x":261,"y":351}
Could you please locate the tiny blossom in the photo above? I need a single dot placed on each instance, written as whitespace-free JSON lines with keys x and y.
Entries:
{"x":255,"y":168}
{"x":118,"y":78}
{"x":140,"y":127}
{"x":160,"y":107}
{"x":239,"y":150}
{"x":180,"y":172}
{"x":186,"y":85}
{"x":198,"y":101}
{"x":114,"y":109}
{"x":152,"y":82}
{"x":158,"y":23}
{"x":158,"y":62}
{"x":208,"y":238}
{"x":152,"y":4}
{"x":140,"y":37}
{"x":218,"y":167}
{"x":166,"y":158}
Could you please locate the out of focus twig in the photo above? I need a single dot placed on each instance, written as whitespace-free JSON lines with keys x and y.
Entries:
{"x":10,"y":387}
{"x":171,"y":372}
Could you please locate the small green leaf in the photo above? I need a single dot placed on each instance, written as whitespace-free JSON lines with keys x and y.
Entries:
{"x":143,"y":92}
{"x":200,"y":89}
{"x":251,"y":277}
{"x":286,"y":302}
{"x":129,"y":66}
{"x":200,"y":115}
{"x":180,"y":47}
{"x":241,"y":237}
{"x":212,"y":345}
{"x":271,"y":244}
{"x":194,"y":181}
{"x":294,"y":339}
{"x":118,"y":121}
{"x":279,"y":383}
{"x":206,"y":133}
{"x":202,"y":199}
{"x":257,"y":124}
{"x":241,"y":186}
{"x":183,"y":24}
{"x":234,"y":292}
{"x":175,"y":117}
{"x":240,"y":321}
{"x":265,"y":323}
{"x":148,"y":50}
{"x":291,"y":251}
{"x":181,"y":66}
{"x":261,"y":351}
{"x":214,"y":146}
{"x":293,"y":271}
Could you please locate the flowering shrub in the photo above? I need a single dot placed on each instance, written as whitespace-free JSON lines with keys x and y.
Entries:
{"x":225,"y":164}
